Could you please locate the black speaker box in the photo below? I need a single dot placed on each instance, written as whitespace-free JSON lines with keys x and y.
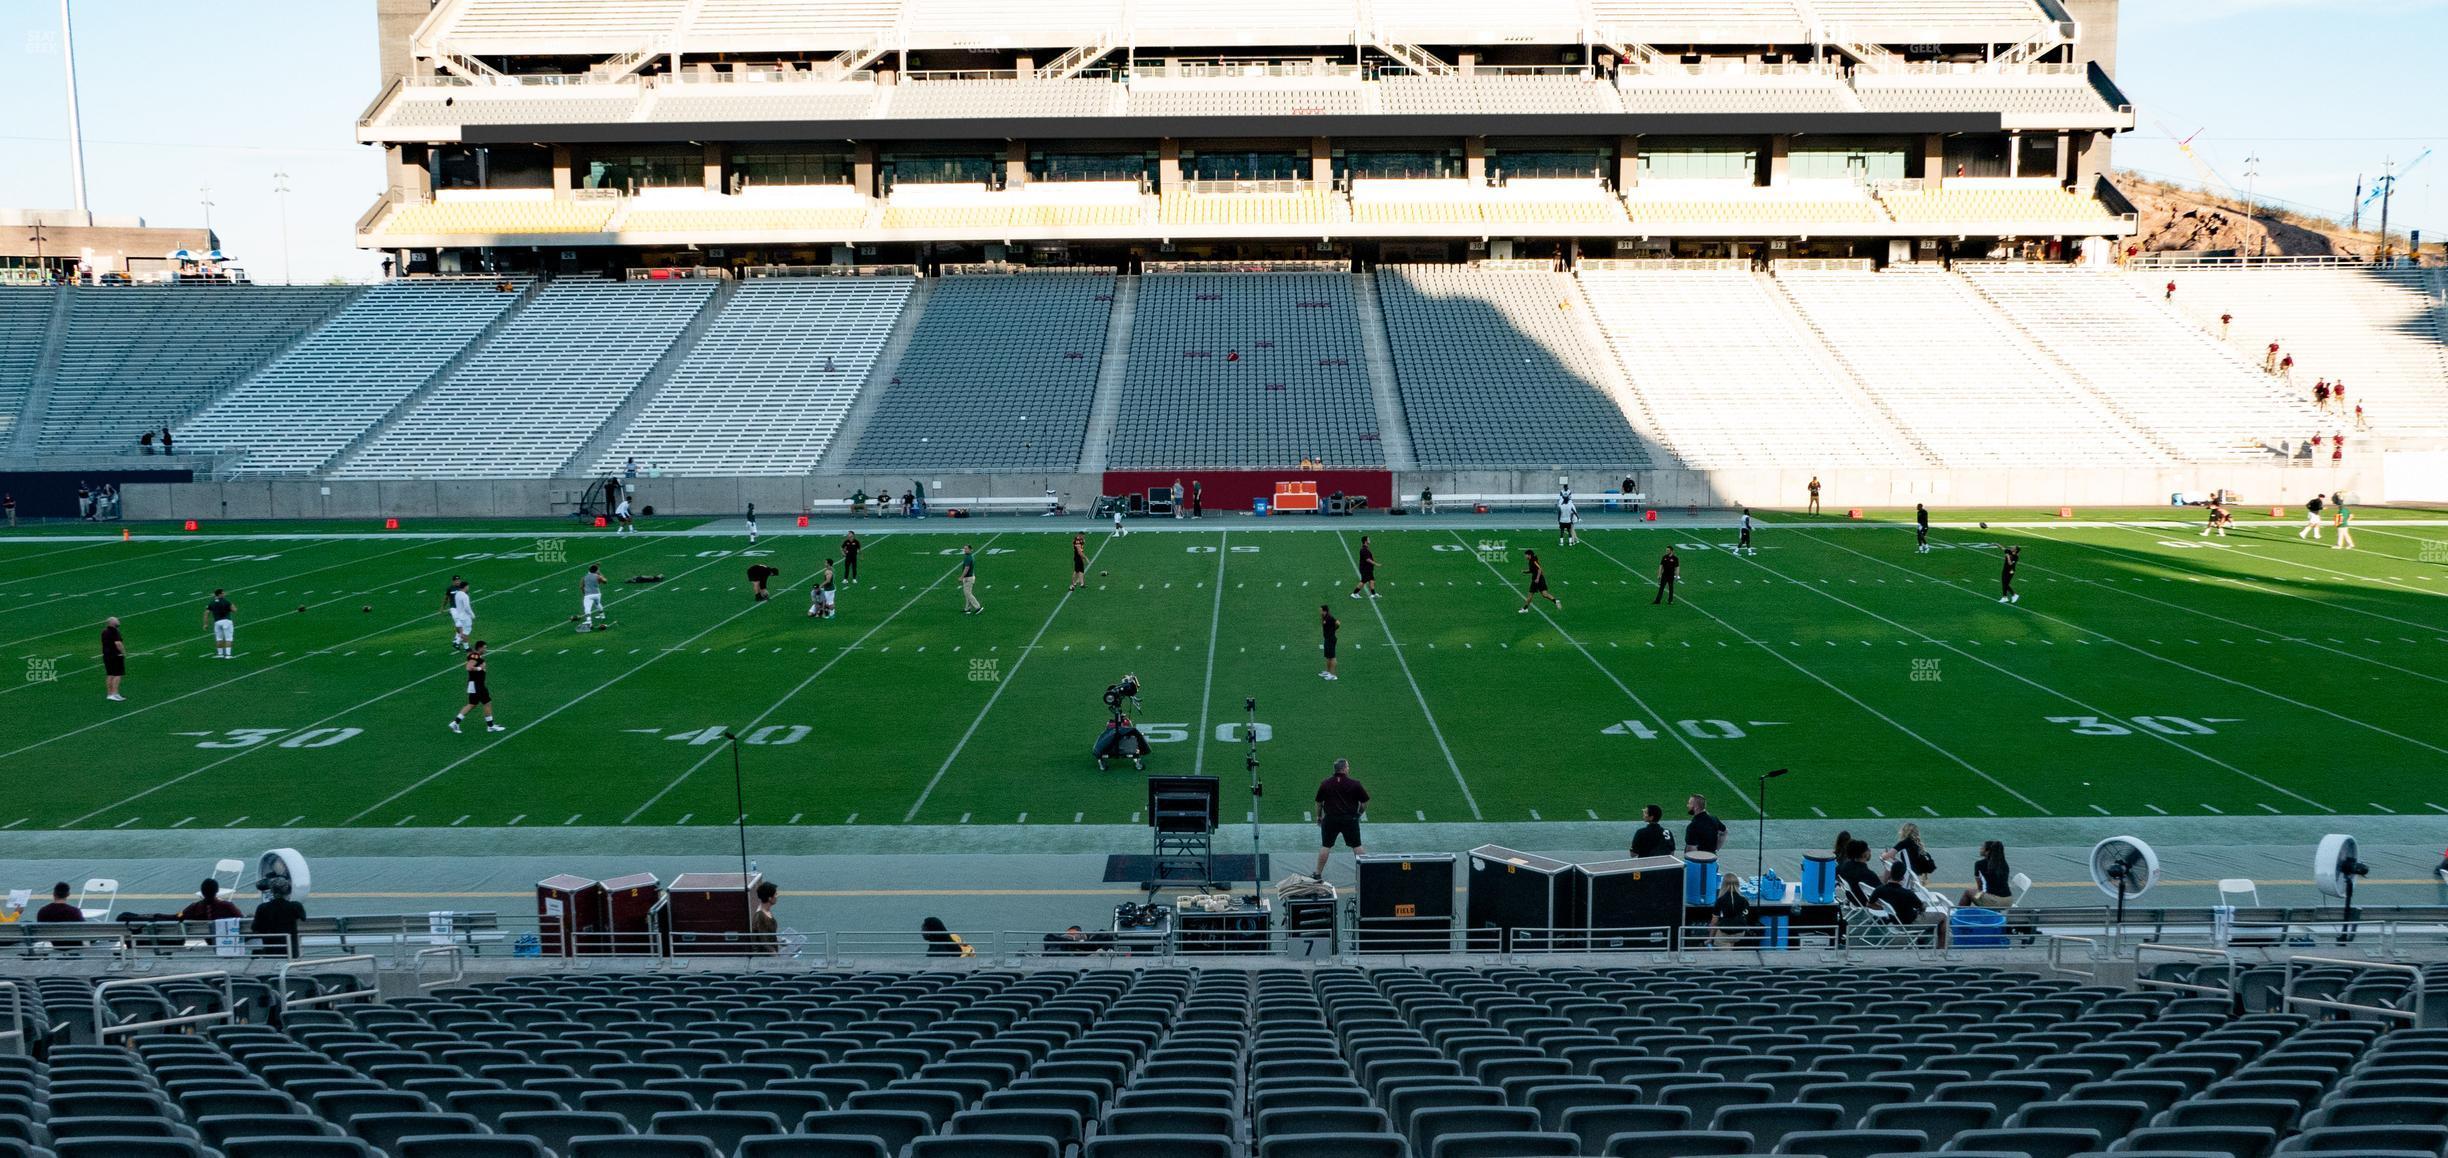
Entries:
{"x":1520,"y":900}
{"x":1632,"y":904}
{"x":1406,"y":903}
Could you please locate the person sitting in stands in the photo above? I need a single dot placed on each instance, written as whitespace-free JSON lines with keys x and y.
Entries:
{"x":1853,"y":872}
{"x":1900,"y":899}
{"x":941,"y":941}
{"x":209,"y":906}
{"x":1730,"y":920}
{"x":1992,"y":879}
{"x":59,"y":909}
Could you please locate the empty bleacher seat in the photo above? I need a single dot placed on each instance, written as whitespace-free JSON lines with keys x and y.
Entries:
{"x":999,"y":374}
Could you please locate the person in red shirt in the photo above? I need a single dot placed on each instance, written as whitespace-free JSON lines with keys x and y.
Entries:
{"x":209,"y":906}
{"x":2224,"y":321}
{"x":2170,"y":295}
{"x":2269,"y":360}
{"x":59,"y":910}
{"x":2286,"y":368}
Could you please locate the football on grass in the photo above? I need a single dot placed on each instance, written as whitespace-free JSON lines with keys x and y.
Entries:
{"x":368,"y":609}
{"x":301,"y":609}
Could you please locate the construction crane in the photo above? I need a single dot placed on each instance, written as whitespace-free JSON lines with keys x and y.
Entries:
{"x":2383,"y":190}
{"x":2212,"y":183}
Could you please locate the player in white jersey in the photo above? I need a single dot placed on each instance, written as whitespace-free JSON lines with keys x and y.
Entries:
{"x":1568,"y":518}
{"x":1743,"y":545}
{"x":462,"y":615}
{"x":620,"y":514}
{"x":752,"y":530}
{"x":590,"y":598}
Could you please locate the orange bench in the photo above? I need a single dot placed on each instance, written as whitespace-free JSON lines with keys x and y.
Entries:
{"x":1295,"y":496}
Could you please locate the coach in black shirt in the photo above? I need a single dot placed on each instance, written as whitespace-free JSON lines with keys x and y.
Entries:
{"x":1906,"y":905}
{"x":1652,"y":839}
{"x":59,"y":910}
{"x":1705,"y":833}
{"x":276,"y":923}
{"x":1340,"y":801}
{"x":1855,"y":873}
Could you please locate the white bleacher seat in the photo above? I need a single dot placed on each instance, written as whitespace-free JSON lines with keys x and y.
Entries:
{"x":1956,"y":375}
{"x":953,"y":99}
{"x":1245,"y":370}
{"x":545,"y":383}
{"x":1000,"y":373}
{"x":138,"y":356}
{"x":2162,"y":372}
{"x":2380,"y":330}
{"x":300,"y":410}
{"x":1727,"y":375}
{"x":768,"y":384}
{"x":1494,"y":373}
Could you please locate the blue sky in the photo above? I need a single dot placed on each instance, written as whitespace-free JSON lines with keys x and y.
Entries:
{"x":179,"y":94}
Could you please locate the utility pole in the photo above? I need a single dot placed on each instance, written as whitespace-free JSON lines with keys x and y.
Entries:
{"x":2388,"y":186}
{"x":38,"y":239}
{"x":280,"y":186}
{"x":2355,"y":222}
{"x":205,"y":197}
{"x":2252,"y":204}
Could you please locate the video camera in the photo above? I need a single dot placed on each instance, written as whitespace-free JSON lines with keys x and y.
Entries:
{"x":1125,"y":689}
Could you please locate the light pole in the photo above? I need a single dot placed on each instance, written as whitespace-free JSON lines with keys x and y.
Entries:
{"x":280,"y":187}
{"x":2252,"y":205}
{"x":40,"y":268}
{"x":1760,"y":868}
{"x":204,"y":197}
{"x":739,"y":801}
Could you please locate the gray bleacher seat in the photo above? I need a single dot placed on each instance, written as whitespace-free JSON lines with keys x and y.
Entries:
{"x":999,"y":374}
{"x":766,"y":387}
{"x":1494,"y":372}
{"x":134,"y":357}
{"x":1246,"y":370}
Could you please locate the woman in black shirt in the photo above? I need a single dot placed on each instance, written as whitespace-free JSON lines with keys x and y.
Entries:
{"x":1992,"y":879}
{"x":1855,"y":873}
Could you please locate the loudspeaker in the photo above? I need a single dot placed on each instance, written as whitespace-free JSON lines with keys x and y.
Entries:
{"x":1309,"y":928}
{"x":1406,"y":903}
{"x":569,"y":915}
{"x":1632,"y":904}
{"x":1518,"y":900}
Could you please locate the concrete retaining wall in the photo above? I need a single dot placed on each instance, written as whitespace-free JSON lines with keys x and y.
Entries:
{"x":781,"y":497}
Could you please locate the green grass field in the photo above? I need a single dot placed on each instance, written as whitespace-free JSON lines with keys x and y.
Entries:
{"x":2146,"y":671}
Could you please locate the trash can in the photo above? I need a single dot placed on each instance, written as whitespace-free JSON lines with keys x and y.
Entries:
{"x":1258,"y":507}
{"x":1977,"y":928}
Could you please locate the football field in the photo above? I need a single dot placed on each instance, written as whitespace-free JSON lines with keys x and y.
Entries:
{"x":2146,"y":671}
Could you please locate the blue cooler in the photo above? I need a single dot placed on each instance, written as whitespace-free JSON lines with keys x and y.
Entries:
{"x":1258,"y":507}
{"x":1772,"y":930}
{"x":1818,"y":878}
{"x":1976,"y":928}
{"x":1700,"y":876}
{"x":1769,"y":887}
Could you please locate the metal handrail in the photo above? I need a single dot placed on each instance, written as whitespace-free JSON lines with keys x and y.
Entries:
{"x":2056,"y":955}
{"x":2288,"y":999}
{"x":327,"y":964}
{"x":103,"y":1029}
{"x":2143,"y":980}
{"x":458,"y":966}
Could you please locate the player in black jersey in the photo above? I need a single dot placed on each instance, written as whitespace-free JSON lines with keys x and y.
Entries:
{"x":1920,"y":528}
{"x":1669,"y":565}
{"x":1538,"y":584}
{"x":477,"y":694}
{"x":1329,"y":625}
{"x":1079,"y":561}
{"x":2013,"y":559}
{"x":1368,"y":570}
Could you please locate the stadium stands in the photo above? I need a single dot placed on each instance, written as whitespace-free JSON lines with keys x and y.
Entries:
{"x":763,"y":391}
{"x":1237,"y":370}
{"x":1728,"y":376}
{"x":1305,"y":206}
{"x":500,"y":215}
{"x":2382,"y":331}
{"x":1493,"y":371}
{"x":1400,"y":95}
{"x":999,"y":375}
{"x":134,"y":357}
{"x":297,"y":412}
{"x":2014,"y":206}
{"x":1956,"y":375}
{"x":1199,"y":1062}
{"x":2159,"y":370}
{"x":25,"y":325}
{"x":947,"y":99}
{"x":832,"y":208}
{"x":545,"y":384}
{"x":1802,"y":207}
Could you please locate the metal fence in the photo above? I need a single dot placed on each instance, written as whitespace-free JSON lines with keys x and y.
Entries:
{"x":2296,"y":967}
{"x":104,"y":1030}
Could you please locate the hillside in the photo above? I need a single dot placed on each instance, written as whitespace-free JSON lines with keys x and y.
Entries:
{"x":2179,"y":219}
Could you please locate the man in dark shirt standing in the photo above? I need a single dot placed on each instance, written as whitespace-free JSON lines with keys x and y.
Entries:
{"x":224,"y":629}
{"x":1328,"y":624}
{"x":1652,"y":839}
{"x":850,"y":549}
{"x":1669,"y":565}
{"x":1368,"y":570}
{"x":1340,"y":801}
{"x":59,"y":909}
{"x":1920,"y":528}
{"x":114,"y":659}
{"x":1705,"y":833}
{"x":276,"y":922}
{"x":2006,"y":570}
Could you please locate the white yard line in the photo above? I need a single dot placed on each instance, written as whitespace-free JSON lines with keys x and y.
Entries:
{"x":1059,"y":603}
{"x":1395,"y":646}
{"x":418,"y":682}
{"x":2023,"y":679}
{"x":1215,"y":627}
{"x":2173,"y":662}
{"x":1664,"y":728}
{"x":2290,"y":561}
{"x":100,"y":591}
{"x":802,"y":686}
{"x":2257,"y":587}
{"x":1891,"y":721}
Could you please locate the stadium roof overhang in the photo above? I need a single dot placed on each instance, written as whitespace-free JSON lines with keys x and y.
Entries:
{"x":1326,"y":125}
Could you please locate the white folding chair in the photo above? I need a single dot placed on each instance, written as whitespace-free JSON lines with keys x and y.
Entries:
{"x":229,"y":871}
{"x":2021,"y":884}
{"x":2238,"y":891}
{"x":107,"y":889}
